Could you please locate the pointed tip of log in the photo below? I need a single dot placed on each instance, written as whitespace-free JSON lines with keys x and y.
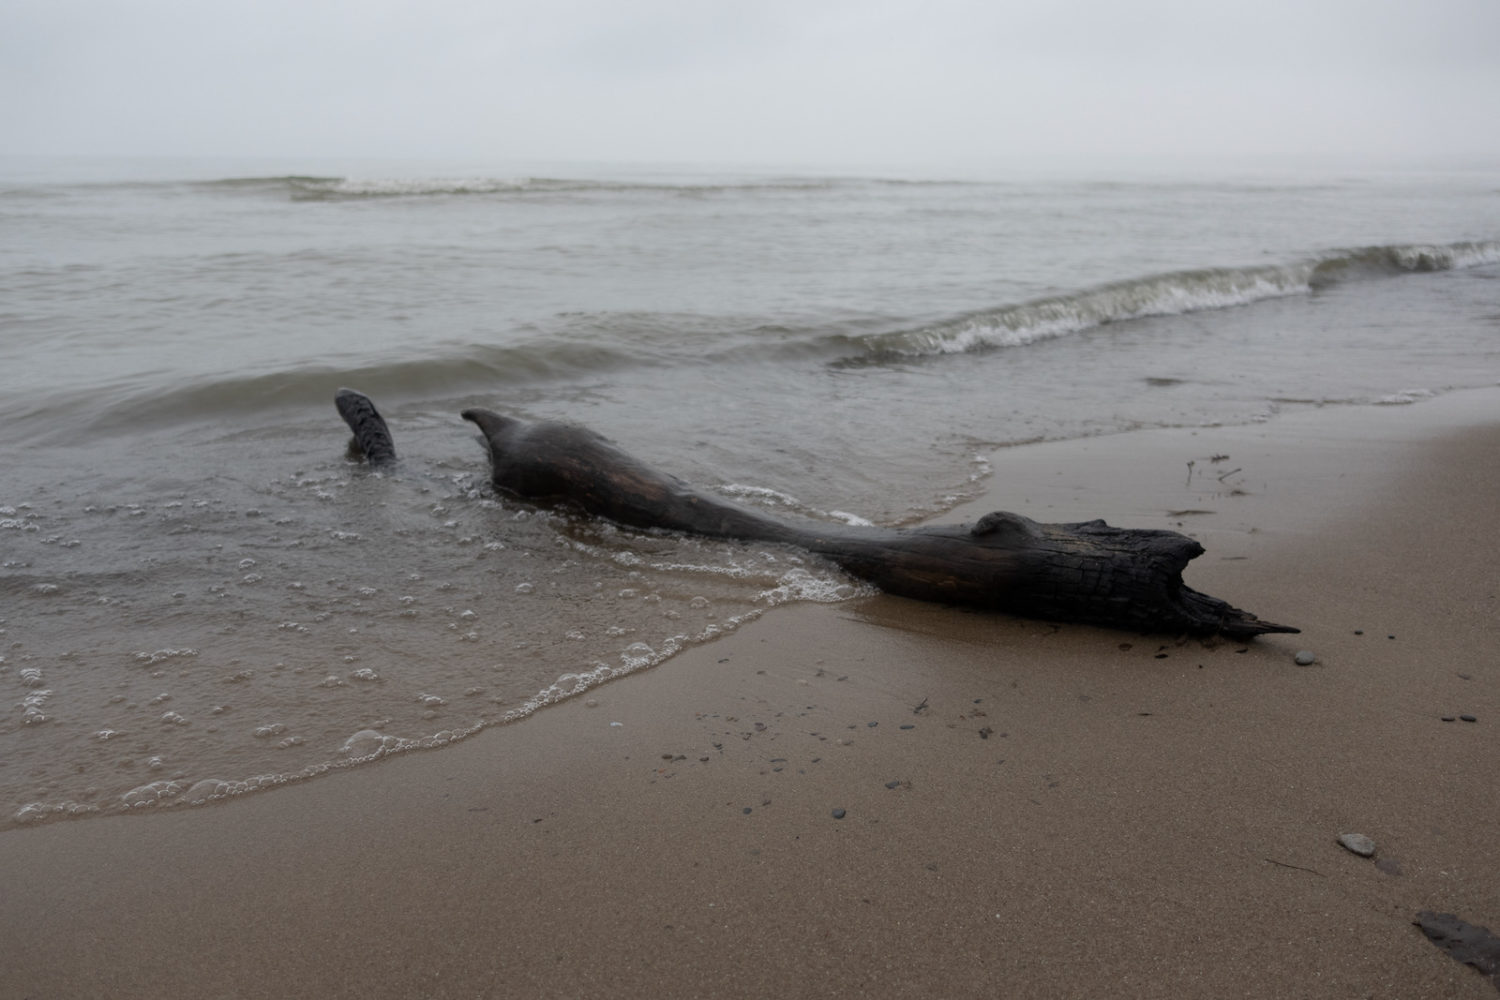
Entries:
{"x":1249,"y":627}
{"x":1236,"y":624}
{"x":1209,"y":615}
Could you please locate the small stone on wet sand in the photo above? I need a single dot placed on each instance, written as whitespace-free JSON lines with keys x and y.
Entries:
{"x":1305,"y":658}
{"x":839,"y":814}
{"x":1358,"y":843}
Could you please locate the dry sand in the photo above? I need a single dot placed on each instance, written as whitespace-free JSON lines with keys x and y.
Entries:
{"x":1030,"y":810}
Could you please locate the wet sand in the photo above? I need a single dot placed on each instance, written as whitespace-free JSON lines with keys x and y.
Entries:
{"x":1028,"y":809}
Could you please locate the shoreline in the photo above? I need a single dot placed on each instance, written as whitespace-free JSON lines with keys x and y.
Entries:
{"x":1075,"y":811}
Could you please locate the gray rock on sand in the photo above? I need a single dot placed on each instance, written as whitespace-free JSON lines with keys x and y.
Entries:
{"x":1305,"y":658}
{"x":1358,"y":843}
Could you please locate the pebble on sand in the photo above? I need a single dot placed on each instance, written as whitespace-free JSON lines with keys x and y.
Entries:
{"x":1358,"y":843}
{"x":839,"y":814}
{"x":1305,"y":658}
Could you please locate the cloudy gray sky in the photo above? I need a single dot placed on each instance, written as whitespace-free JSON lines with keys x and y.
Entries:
{"x":769,"y":81}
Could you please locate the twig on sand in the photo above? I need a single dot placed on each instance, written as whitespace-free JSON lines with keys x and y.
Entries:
{"x":1299,"y":868}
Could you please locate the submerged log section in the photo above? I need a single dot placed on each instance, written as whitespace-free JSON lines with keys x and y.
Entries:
{"x":1088,"y":572}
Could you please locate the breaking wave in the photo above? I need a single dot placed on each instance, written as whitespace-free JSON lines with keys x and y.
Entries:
{"x":1170,"y":294}
{"x":1384,"y":261}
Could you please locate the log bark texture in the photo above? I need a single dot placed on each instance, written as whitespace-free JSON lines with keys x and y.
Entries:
{"x":372,"y":437}
{"x":1087,"y":572}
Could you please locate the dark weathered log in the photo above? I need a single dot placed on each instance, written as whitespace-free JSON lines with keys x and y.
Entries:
{"x":1088,"y":572}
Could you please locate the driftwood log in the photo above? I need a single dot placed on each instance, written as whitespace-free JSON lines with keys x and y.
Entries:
{"x":1087,"y":572}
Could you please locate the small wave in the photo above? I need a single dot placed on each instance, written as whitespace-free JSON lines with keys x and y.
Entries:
{"x":1169,"y":294}
{"x":28,"y":194}
{"x":133,"y":404}
{"x":289,"y":184}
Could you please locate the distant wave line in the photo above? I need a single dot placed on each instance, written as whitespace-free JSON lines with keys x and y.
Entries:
{"x":348,"y":189}
{"x":316,"y":187}
{"x":322,"y":188}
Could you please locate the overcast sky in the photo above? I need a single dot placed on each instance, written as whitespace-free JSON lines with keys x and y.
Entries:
{"x":769,"y":81}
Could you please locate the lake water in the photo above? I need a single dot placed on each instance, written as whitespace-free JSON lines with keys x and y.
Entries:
{"x":200,"y":594}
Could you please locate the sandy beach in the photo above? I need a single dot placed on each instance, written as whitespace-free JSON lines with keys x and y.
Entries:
{"x":1023,"y":809}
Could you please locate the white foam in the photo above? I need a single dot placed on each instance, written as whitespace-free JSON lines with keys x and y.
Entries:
{"x":31,"y":812}
{"x":34,"y":812}
{"x":368,"y":744}
{"x":164,"y":654}
{"x":1405,"y":397}
{"x":205,"y":790}
{"x":637,"y":655}
{"x":803,"y":585}
{"x":150,"y":794}
{"x":776,"y":497}
{"x":31,"y":706}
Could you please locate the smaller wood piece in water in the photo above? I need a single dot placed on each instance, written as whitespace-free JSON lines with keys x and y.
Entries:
{"x":372,"y":438}
{"x":1087,"y":572}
